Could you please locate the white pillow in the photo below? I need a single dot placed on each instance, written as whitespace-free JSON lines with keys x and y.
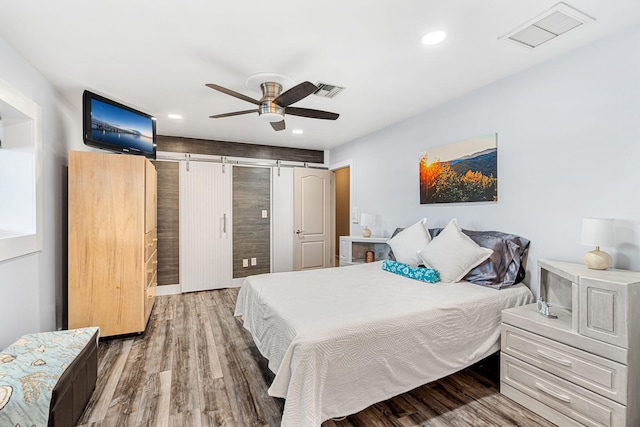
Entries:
{"x":453,"y":253}
{"x":406,"y":244}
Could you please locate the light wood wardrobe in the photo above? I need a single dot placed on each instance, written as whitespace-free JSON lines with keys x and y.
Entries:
{"x":112,"y":241}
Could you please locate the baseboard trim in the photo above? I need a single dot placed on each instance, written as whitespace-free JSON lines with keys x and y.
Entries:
{"x":177,"y":289}
{"x":168,"y":290}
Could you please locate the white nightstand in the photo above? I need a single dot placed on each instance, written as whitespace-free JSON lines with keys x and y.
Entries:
{"x":353,"y":249}
{"x":582,"y":368}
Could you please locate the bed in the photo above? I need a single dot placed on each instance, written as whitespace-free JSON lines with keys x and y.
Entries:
{"x":341,"y":339}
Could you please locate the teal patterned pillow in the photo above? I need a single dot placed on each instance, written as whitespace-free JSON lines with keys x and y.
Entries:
{"x":418,"y":273}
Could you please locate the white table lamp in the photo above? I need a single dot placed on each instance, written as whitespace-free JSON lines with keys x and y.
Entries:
{"x":597,"y":232}
{"x":365,"y":221}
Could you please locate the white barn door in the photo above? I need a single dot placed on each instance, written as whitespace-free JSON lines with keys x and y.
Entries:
{"x":282,"y":219}
{"x":205,"y":226}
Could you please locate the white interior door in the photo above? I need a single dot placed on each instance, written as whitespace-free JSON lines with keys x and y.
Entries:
{"x":205,"y":226}
{"x":312,"y":219}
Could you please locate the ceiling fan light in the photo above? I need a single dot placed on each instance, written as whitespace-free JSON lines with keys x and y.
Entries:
{"x":433,"y":37}
{"x":271,"y":117}
{"x":269,"y":111}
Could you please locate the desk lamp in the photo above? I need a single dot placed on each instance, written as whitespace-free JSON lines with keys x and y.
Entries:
{"x":597,"y":232}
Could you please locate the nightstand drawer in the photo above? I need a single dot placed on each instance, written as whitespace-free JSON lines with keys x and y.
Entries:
{"x":569,"y":399}
{"x":595,"y":373}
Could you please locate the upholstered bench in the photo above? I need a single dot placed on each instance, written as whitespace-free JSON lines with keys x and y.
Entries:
{"x":46,"y":379}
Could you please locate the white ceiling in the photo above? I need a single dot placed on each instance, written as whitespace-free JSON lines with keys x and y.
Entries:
{"x":157,"y":55}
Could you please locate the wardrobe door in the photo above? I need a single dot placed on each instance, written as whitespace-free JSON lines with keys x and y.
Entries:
{"x":205,"y":226}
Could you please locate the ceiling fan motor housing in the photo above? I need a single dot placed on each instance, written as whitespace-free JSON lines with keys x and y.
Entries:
{"x":269,"y":110}
{"x":272,"y":105}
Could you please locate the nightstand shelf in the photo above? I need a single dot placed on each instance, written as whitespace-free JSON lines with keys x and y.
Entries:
{"x":353,"y":249}
{"x":583,"y":367}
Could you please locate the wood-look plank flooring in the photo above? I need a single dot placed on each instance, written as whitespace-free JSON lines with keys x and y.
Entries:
{"x":196,"y":366}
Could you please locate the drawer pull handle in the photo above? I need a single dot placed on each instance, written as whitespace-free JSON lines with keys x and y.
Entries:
{"x":552,"y":393}
{"x":555,"y":359}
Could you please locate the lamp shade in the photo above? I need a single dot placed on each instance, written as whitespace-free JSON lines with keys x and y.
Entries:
{"x":597,"y":232}
{"x":366,"y":220}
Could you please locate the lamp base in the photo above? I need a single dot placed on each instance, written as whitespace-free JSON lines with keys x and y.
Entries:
{"x":366,"y":232}
{"x":597,"y":260}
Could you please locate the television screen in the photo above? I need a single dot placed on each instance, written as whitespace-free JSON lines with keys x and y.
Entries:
{"x":112,"y":126}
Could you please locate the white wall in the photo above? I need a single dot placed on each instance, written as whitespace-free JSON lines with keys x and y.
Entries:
{"x":568,"y":148}
{"x":33,"y":287}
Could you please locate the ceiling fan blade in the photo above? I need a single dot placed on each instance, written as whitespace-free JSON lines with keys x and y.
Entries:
{"x":232,"y":93}
{"x":278,"y":125}
{"x":314,"y":114}
{"x":235,"y":113}
{"x":295,"y":94}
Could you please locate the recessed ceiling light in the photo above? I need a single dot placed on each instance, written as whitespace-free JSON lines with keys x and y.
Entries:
{"x":175,"y":116}
{"x":297,"y":131}
{"x":433,"y":37}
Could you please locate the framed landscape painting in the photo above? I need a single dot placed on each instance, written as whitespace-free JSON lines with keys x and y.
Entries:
{"x":465,"y":171}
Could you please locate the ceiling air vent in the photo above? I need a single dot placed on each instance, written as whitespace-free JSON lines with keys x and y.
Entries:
{"x":328,"y":90}
{"x":558,"y":20}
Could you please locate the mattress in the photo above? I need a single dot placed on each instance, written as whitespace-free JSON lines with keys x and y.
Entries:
{"x":341,"y":339}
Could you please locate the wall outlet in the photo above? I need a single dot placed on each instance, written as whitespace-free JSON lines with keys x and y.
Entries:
{"x":265,"y":214}
{"x":245,"y":262}
{"x":254,"y":261}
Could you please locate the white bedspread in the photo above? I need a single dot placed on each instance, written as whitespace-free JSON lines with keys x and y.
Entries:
{"x":341,"y":339}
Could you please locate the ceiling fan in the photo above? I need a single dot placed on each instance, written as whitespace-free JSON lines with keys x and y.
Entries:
{"x":274,"y":103}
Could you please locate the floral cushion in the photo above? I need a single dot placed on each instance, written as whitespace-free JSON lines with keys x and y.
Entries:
{"x":418,"y":273}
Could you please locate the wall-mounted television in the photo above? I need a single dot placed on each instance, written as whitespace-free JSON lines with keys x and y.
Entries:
{"x":115,"y":127}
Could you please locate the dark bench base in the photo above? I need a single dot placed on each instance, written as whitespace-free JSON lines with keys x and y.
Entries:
{"x":74,"y":387}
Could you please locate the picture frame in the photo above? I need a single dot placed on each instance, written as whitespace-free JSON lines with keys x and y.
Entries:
{"x":462,"y":172}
